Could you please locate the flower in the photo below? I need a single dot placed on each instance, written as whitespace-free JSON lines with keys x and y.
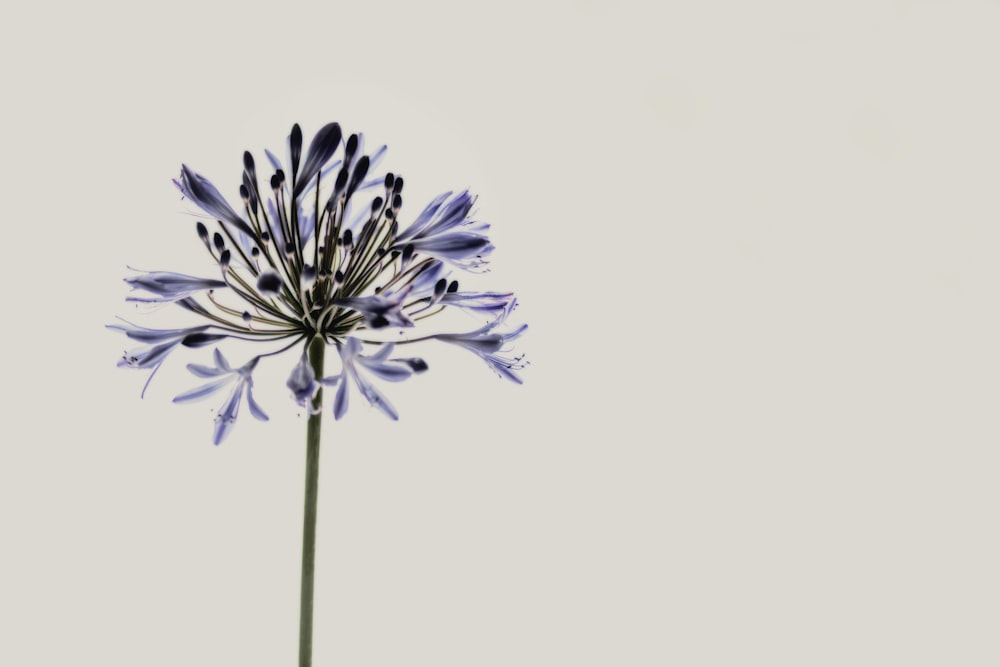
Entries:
{"x":242,"y":383}
{"x":379,"y":365}
{"x":318,"y":249}
{"x":487,"y":343}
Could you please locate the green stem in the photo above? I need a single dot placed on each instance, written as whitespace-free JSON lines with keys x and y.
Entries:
{"x":316,"y":350}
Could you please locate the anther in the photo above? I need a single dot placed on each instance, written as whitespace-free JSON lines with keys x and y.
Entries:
{"x":220,"y":245}
{"x":224,"y":259}
{"x":453,"y":287}
{"x":269,"y":283}
{"x":202,"y":233}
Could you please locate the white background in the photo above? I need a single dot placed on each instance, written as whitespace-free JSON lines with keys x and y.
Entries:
{"x":756,"y":244}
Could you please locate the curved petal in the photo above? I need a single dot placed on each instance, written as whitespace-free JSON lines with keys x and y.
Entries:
{"x":201,"y":392}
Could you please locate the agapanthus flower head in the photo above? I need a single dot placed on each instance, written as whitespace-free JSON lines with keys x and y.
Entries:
{"x":318,"y":248}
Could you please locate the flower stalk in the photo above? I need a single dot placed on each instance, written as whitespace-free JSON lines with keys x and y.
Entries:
{"x":316,"y":351}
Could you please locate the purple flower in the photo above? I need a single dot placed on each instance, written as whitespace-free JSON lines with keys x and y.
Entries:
{"x":444,"y":230}
{"x":167,"y":286}
{"x":379,"y":365}
{"x":320,"y":248}
{"x":488,"y":344}
{"x":242,"y":384}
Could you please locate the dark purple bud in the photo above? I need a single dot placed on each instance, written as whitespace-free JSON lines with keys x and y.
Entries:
{"x":453,"y":287}
{"x":350,"y":149}
{"x":295,"y":145}
{"x":439,"y":288}
{"x":275,"y":182}
{"x":322,"y":148}
{"x":360,"y":171}
{"x":200,"y":339}
{"x":341,"y":181}
{"x":248,"y":164}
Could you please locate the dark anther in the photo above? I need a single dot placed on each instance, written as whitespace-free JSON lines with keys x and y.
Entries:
{"x":379,"y":322}
{"x":202,"y":233}
{"x":417,"y":364}
{"x":439,"y":287}
{"x":376,"y":204}
{"x":388,"y":180}
{"x":275,"y":182}
{"x":281,"y":176}
{"x":397,"y":202}
{"x":348,"y":237}
{"x":219,"y":243}
{"x":265,"y":237}
{"x":453,"y":287}
{"x":269,"y":283}
{"x":255,"y":252}
{"x":397,"y":187}
{"x":224,"y":259}
{"x":247,"y":317}
{"x":248,"y":164}
{"x":338,"y":277}
{"x":408,"y":253}
{"x":380,"y":253}
{"x":244,"y":193}
{"x":289,"y":249}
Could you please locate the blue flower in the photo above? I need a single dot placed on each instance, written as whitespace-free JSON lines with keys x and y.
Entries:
{"x":242,"y":383}
{"x":379,"y":365}
{"x":312,"y":251}
{"x":488,"y":344}
{"x":444,"y":230}
{"x":167,"y":286}
{"x":302,"y":382}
